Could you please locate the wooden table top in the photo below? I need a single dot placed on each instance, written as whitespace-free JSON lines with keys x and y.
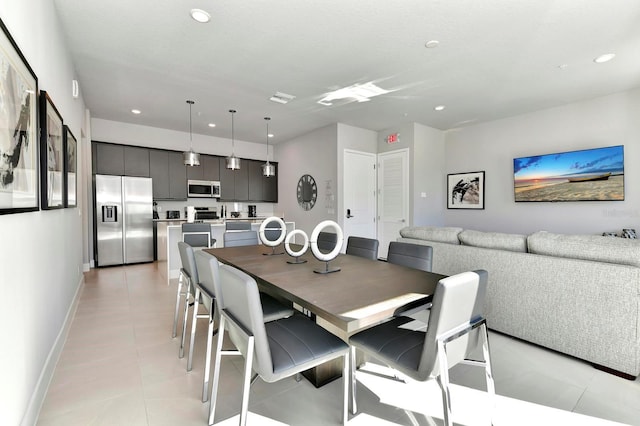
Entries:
{"x":362,"y":293}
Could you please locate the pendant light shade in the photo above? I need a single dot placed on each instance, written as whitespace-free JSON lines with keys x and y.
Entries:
{"x":233,"y":162}
{"x":268,"y":169}
{"x":191,"y":158}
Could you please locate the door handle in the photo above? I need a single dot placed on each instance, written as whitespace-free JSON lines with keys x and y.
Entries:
{"x":349,"y":215}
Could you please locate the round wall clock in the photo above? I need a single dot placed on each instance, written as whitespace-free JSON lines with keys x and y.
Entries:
{"x":307,"y":192}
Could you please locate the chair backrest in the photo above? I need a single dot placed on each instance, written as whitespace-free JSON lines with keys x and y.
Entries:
{"x":197,"y":234}
{"x":241,"y":301}
{"x":188,"y":263}
{"x":327,"y":241}
{"x":209,"y":274}
{"x":457,"y":302}
{"x":272,"y":230}
{"x":237,"y":226}
{"x":363,"y":247}
{"x":240,"y":238}
{"x":416,"y":256}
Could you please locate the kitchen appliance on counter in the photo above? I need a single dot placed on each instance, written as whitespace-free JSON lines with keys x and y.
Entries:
{"x":124,"y":220}
{"x":206,"y":213}
{"x":203,"y":189}
{"x":173,"y":214}
{"x":252,"y":210}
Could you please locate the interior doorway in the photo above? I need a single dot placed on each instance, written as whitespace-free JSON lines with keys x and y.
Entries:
{"x":359,"y":177}
{"x":393,"y":197}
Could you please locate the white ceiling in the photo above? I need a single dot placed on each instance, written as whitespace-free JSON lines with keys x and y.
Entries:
{"x":496,"y":58}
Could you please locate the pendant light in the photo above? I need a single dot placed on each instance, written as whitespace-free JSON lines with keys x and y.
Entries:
{"x":191,"y":158}
{"x":233,"y":162}
{"x":268,"y":169}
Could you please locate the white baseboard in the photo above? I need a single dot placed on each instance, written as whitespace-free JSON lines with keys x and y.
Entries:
{"x":86,"y":267}
{"x":40,"y":391}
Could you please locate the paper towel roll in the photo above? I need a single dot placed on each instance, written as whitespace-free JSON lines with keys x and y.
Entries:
{"x":191,"y":214}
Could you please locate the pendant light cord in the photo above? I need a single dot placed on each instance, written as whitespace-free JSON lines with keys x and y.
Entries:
{"x":190,"y":133}
{"x":267,"y":120}
{"x":233,"y":142}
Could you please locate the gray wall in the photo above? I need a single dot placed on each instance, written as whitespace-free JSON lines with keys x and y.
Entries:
{"x":315,"y":154}
{"x":604,"y":121}
{"x":41,"y":252}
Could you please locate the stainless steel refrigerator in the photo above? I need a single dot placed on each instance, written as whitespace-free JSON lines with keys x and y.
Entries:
{"x":124,"y":220}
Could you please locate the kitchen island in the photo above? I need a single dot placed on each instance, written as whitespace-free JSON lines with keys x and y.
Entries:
{"x":170,"y":232}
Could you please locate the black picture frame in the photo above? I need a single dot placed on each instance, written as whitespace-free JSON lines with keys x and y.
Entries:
{"x":19,"y":161}
{"x":465,"y":190}
{"x":51,"y":155}
{"x":70,"y":168}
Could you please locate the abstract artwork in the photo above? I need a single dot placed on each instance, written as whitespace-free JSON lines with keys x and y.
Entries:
{"x":18,"y":129}
{"x":465,"y":190}
{"x":52,"y":154}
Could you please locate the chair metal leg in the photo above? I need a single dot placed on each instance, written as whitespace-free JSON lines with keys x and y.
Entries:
{"x":174,"y":333}
{"x":207,"y":360}
{"x":247,"y":382}
{"x":184,"y":317}
{"x":194,"y":323}
{"x":443,"y":381}
{"x":352,"y":378}
{"x":216,"y":372}
{"x":491,"y":389}
{"x":346,"y":378}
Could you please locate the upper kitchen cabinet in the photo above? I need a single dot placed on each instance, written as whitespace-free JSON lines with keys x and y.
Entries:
{"x":169,"y":175}
{"x":108,"y":159}
{"x":209,"y":169}
{"x":234,"y":184}
{"x":262,"y":188}
{"x":120,"y":160}
{"x":177,"y":176}
{"x":136,"y":161}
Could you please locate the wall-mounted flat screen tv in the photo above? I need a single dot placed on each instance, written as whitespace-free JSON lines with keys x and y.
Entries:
{"x":586,"y":175}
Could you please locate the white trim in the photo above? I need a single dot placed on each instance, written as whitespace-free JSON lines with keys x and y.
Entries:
{"x":37,"y":397}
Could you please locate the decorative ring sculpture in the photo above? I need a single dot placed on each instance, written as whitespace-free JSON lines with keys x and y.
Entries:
{"x":326,"y":257}
{"x":283,"y":233}
{"x":296,"y":254}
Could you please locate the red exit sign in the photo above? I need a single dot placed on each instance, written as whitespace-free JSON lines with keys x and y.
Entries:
{"x":393,"y":138}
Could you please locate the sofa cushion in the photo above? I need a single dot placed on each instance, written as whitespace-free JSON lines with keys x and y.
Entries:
{"x":432,"y":233}
{"x":494,"y":240}
{"x":587,"y":247}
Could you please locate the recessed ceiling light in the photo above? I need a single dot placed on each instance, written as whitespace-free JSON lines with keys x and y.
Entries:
{"x":136,"y":111}
{"x":604,"y":58}
{"x":200,"y":15}
{"x":431,"y":44}
{"x":212,"y":124}
{"x":439,"y":107}
{"x":270,"y":135}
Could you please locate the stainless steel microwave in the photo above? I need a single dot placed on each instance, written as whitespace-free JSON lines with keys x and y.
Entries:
{"x":203,"y":189}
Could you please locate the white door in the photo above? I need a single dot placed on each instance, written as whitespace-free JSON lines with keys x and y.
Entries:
{"x":393,"y":197}
{"x":359,"y":194}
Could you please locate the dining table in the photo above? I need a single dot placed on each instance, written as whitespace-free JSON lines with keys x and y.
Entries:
{"x":362,"y":293}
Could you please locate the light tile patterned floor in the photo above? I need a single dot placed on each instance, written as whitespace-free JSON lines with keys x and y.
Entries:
{"x":119,"y":366}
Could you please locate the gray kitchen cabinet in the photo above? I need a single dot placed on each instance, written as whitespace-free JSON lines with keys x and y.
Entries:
{"x":108,"y":159}
{"x":270,"y":187}
{"x":177,"y":176}
{"x":234,"y":184}
{"x":136,"y":161}
{"x":254,"y":169}
{"x":159,"y":172}
{"x":209,"y":169}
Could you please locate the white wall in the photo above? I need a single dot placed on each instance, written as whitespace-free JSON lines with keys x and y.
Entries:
{"x":314,"y":153}
{"x":604,"y":121}
{"x":41,"y":252}
{"x":153,"y":137}
{"x":429,"y":177}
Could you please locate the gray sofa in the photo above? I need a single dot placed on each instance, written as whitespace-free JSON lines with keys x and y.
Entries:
{"x":576,"y":294}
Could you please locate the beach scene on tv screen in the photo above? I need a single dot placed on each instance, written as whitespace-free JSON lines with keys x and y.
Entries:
{"x":586,"y":175}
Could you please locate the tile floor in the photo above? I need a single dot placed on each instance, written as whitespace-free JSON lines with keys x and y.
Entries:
{"x":119,"y":366}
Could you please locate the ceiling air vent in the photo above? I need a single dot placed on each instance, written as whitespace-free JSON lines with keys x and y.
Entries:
{"x":282,"y":98}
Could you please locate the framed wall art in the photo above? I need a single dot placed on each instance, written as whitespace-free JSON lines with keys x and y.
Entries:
{"x":19,"y":163}
{"x":51,"y":155}
{"x":465,"y":190}
{"x":70,"y":168}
